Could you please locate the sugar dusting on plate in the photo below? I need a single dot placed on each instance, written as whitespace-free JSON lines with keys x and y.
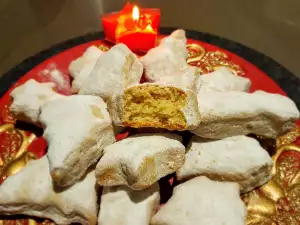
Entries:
{"x":53,"y":74}
{"x":56,"y":76}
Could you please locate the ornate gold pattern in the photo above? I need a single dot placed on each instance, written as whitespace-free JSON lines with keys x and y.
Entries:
{"x":288,"y":138}
{"x":195,"y":53}
{"x":210,"y":61}
{"x":26,"y":222}
{"x":7,"y":115}
{"x":13,"y":222}
{"x":278,"y":201}
{"x":14,"y":156}
{"x":103,"y":48}
{"x":13,"y":148}
{"x":45,"y":222}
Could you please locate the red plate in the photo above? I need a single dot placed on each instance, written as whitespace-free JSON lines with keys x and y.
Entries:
{"x":208,"y":58}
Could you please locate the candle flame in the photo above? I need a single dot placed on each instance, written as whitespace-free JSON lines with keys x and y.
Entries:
{"x":135,"y":13}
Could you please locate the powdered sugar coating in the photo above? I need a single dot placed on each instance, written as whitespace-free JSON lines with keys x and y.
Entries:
{"x":122,"y":205}
{"x":139,"y":161}
{"x":114,"y":71}
{"x":222,"y":80}
{"x":238,"y":159}
{"x":76,"y":134}
{"x":186,"y":78}
{"x":82,"y":67}
{"x":169,"y":56}
{"x":31,"y":195}
{"x":28,"y":99}
{"x":225,"y":114}
{"x":202,"y":201}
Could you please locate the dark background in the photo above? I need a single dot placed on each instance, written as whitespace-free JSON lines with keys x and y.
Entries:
{"x":269,"y":26}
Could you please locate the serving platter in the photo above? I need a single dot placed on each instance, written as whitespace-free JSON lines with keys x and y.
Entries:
{"x":277,"y":202}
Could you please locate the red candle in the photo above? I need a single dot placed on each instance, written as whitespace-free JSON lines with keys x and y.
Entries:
{"x":138,"y":29}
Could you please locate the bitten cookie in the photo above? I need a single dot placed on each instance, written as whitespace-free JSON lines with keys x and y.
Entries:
{"x":139,"y":161}
{"x":155,"y":105}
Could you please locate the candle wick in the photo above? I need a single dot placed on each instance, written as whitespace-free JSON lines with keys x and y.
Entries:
{"x":135,"y":14}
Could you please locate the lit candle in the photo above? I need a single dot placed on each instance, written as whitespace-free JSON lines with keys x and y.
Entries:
{"x":135,"y":14}
{"x":138,"y":29}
